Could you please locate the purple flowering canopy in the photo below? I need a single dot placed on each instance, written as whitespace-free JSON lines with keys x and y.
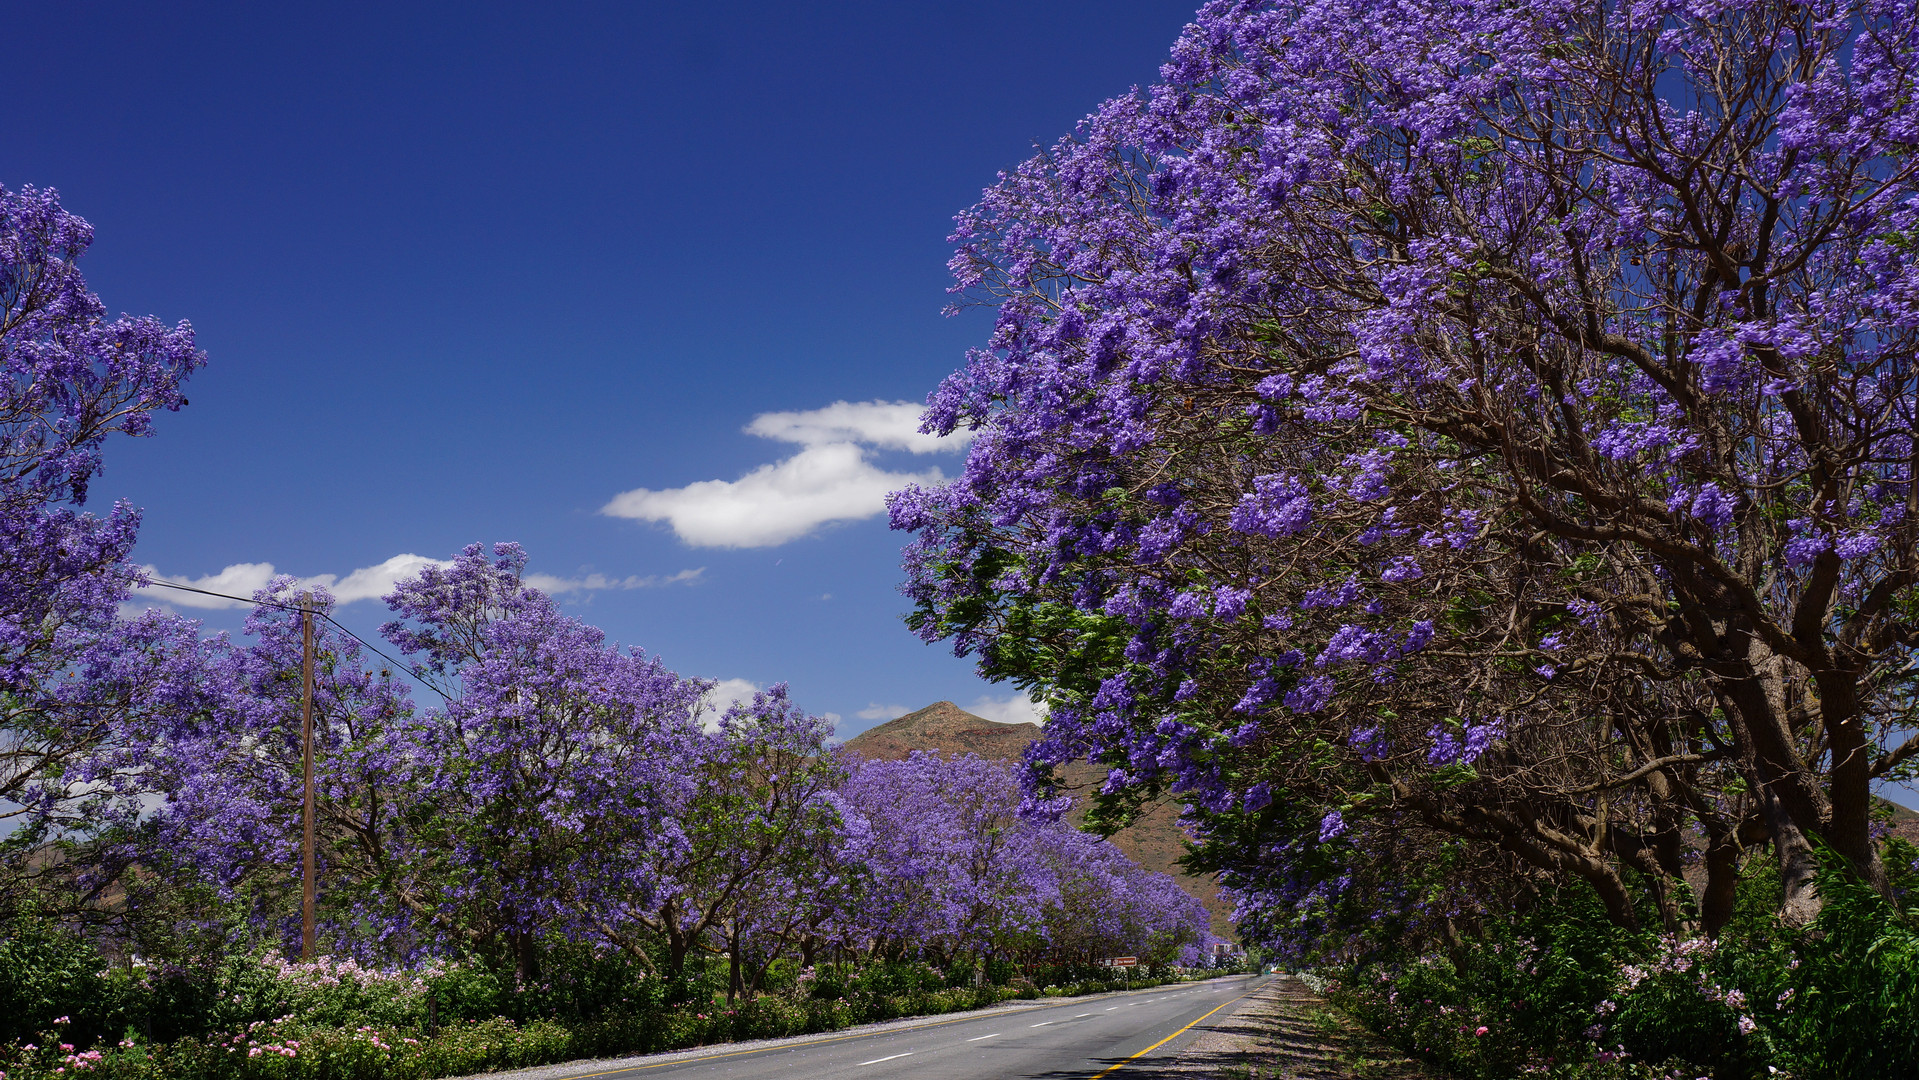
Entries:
{"x":229,"y":765}
{"x":71,"y":678}
{"x":950,"y":868}
{"x":568,"y":790}
{"x":1486,"y":420}
{"x":533,"y":802}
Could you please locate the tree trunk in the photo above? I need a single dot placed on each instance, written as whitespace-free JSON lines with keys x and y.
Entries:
{"x":1799,"y":902}
{"x":732,"y":963}
{"x":1722,"y":882}
{"x":1753,"y":687}
{"x":1850,"y":831}
{"x":676,"y":948}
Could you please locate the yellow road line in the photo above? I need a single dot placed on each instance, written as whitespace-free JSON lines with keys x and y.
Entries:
{"x":1160,"y":1043}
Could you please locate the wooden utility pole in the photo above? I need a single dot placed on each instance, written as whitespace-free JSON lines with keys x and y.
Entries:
{"x":306,"y":738}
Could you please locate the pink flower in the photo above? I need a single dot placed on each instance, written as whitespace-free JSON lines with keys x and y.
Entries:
{"x":1480,"y":1032}
{"x":63,"y":1020}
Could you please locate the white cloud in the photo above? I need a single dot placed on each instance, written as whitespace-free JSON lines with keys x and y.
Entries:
{"x":366,"y":583}
{"x":726,"y":693}
{"x":889,"y":425}
{"x":1018,"y":709}
{"x":830,"y":478}
{"x":773,"y":503}
{"x":373,"y":582}
{"x":239,"y":579}
{"x":556,"y":586}
{"x":876,"y":711}
{"x":244,"y":579}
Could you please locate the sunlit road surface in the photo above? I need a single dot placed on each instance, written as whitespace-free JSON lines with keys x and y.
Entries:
{"x":1112,"y":1037}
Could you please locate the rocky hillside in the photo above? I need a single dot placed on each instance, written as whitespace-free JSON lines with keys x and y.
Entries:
{"x":1154,"y":841}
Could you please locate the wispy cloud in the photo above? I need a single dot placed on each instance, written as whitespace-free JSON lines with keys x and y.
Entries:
{"x":889,"y":425}
{"x":557,"y":586}
{"x":829,"y":479}
{"x":244,"y":579}
{"x":1017,"y":709}
{"x":368,"y":582}
{"x":876,"y":711}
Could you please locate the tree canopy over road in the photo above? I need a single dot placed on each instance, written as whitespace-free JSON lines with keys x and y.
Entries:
{"x":1461,"y":446}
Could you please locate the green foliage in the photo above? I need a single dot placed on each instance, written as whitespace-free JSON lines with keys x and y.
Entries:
{"x":48,"y":972}
{"x":1484,"y":1008}
{"x":1558,"y":990}
{"x":1854,"y":990}
{"x":902,"y":979}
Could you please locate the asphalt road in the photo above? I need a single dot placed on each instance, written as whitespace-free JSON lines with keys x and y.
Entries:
{"x":1111,"y":1036}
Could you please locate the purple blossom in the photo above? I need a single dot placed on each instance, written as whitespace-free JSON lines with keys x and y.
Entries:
{"x":1404,"y":568}
{"x":1712,"y":507}
{"x":1464,"y":744}
{"x":1807,"y":543}
{"x":1229,"y":602}
{"x":1277,"y":506}
{"x":1310,"y":695}
{"x":1370,"y":743}
{"x":1856,"y":545}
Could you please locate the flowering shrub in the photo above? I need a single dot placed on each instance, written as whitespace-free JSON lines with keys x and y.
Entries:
{"x":1559,"y":992}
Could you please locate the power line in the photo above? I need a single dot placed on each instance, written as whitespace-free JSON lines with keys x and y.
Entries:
{"x":416,"y":672}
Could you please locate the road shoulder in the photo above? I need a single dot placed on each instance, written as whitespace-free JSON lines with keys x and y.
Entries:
{"x":1284,"y":1030}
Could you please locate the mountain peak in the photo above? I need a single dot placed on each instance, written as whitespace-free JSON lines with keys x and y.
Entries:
{"x":946,"y":727}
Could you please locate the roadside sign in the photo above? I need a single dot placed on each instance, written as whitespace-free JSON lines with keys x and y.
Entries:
{"x":1124,"y":961}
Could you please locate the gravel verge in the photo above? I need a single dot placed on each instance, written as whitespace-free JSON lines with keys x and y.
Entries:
{"x":1284,"y":1031}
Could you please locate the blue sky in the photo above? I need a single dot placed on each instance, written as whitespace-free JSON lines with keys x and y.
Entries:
{"x":480,"y":272}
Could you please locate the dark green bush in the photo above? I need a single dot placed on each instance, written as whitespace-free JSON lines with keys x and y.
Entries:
{"x":1559,"y":990}
{"x":48,"y":972}
{"x":1853,"y":994}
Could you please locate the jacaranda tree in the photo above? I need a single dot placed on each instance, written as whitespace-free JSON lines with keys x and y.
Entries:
{"x":949,"y":868}
{"x":749,"y":870}
{"x":230,"y":768}
{"x":1482,"y":421}
{"x":568,"y":791}
{"x":558,"y":768}
{"x":71,"y":678}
